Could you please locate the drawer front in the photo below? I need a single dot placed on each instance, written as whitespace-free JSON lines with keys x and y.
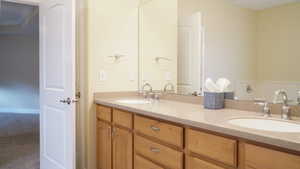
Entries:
{"x":103,"y":113}
{"x":255,"y":157}
{"x":159,"y":153}
{"x":165,"y":132}
{"x":196,"y":163}
{"x":122,"y":118}
{"x":142,"y":163}
{"x":215,"y":147}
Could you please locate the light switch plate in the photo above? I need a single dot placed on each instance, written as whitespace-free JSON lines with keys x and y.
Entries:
{"x":168,"y":76}
{"x":131,"y":76}
{"x":102,"y":75}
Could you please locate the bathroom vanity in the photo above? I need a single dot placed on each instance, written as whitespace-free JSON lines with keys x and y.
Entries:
{"x":175,"y":135}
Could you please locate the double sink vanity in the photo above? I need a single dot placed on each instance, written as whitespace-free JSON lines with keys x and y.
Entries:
{"x":133,"y":132}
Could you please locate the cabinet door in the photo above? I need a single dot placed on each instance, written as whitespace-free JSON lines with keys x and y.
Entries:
{"x":122,"y":149}
{"x":142,"y":163}
{"x":255,"y":157}
{"x":195,"y":163}
{"x":103,"y":145}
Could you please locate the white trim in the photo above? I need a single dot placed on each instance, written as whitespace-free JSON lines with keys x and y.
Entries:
{"x":19,"y":110}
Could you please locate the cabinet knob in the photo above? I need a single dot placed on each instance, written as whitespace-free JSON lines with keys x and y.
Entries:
{"x":155,"y":150}
{"x":154,"y":128}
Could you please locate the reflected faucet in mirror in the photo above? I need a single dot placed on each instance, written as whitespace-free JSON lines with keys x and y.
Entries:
{"x":144,"y":92}
{"x":286,"y":109}
{"x":265,"y":107}
{"x":166,"y":90}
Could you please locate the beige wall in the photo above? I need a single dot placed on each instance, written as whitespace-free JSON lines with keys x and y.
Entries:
{"x":229,"y":38}
{"x":158,"y":38}
{"x":113,"y":29}
{"x":278,"y":40}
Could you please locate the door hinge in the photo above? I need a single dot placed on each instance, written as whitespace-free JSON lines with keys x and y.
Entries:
{"x":78,"y":95}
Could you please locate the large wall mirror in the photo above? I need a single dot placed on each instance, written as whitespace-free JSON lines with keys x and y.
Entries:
{"x":256,"y":45}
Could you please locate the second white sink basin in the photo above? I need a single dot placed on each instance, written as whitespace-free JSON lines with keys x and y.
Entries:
{"x":266,"y":125}
{"x":133,"y":101}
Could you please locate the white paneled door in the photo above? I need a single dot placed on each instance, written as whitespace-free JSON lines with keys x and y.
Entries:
{"x":190,"y":51}
{"x":57,"y":84}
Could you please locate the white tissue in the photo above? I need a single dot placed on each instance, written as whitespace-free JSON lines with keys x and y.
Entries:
{"x":221,"y":85}
{"x":211,"y":86}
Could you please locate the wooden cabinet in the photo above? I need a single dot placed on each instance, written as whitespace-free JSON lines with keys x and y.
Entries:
{"x":142,"y":163}
{"x":104,"y":146}
{"x":114,"y":145}
{"x":196,"y":163}
{"x":122,"y":149}
{"x":166,"y":132}
{"x":161,"y":154}
{"x":255,"y":157}
{"x":215,"y":147}
{"x":129,"y":141}
{"x":103,"y":113}
{"x":122,"y":118}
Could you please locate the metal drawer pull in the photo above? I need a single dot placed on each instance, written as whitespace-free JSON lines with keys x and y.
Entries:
{"x":155,"y":128}
{"x":155,"y":150}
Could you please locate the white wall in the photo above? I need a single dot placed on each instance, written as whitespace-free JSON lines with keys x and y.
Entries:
{"x":19,"y":72}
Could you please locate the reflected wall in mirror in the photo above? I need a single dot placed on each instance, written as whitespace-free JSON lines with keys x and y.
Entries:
{"x":170,"y":47}
{"x":254,"y":44}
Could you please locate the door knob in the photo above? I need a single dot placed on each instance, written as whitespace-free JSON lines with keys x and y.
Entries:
{"x":66,"y":101}
{"x":69,"y":101}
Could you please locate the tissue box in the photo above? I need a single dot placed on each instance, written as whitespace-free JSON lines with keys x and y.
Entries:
{"x":229,"y":95}
{"x":214,"y":100}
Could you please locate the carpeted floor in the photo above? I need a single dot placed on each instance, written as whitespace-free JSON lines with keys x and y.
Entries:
{"x":19,"y":141}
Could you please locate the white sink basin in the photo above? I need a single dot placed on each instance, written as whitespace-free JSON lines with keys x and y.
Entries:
{"x":266,"y":125}
{"x":133,"y":101}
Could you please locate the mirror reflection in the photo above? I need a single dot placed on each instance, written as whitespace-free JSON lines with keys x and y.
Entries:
{"x":255,"y":45}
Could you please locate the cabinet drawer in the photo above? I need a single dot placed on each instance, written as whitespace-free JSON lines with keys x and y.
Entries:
{"x":255,"y":157}
{"x":196,"y":163}
{"x":215,"y":147}
{"x":165,"y":132}
{"x":159,"y":153}
{"x":141,"y":163}
{"x":103,"y":113}
{"x":122,"y":118}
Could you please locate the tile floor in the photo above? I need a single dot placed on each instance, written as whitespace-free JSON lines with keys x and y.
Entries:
{"x":19,"y":141}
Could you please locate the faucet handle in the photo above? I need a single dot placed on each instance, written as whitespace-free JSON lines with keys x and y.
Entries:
{"x":266,"y":110}
{"x":260,"y":101}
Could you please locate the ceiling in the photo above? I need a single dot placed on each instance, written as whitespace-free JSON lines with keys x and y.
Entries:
{"x":261,"y":4}
{"x":13,"y":13}
{"x":16,"y":18}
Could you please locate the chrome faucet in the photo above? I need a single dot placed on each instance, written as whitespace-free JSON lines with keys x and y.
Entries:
{"x":169,"y":85}
{"x":285,"y":109}
{"x":146,"y":93}
{"x":265,"y":107}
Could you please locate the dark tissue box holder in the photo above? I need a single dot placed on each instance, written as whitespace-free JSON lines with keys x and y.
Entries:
{"x":214,"y":100}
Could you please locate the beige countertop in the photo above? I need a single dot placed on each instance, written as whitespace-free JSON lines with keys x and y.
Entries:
{"x":214,"y":120}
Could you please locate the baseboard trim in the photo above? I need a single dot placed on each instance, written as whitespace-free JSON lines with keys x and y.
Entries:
{"x":19,"y":111}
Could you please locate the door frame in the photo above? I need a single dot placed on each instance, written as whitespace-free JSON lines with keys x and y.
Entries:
{"x":80,"y":82}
